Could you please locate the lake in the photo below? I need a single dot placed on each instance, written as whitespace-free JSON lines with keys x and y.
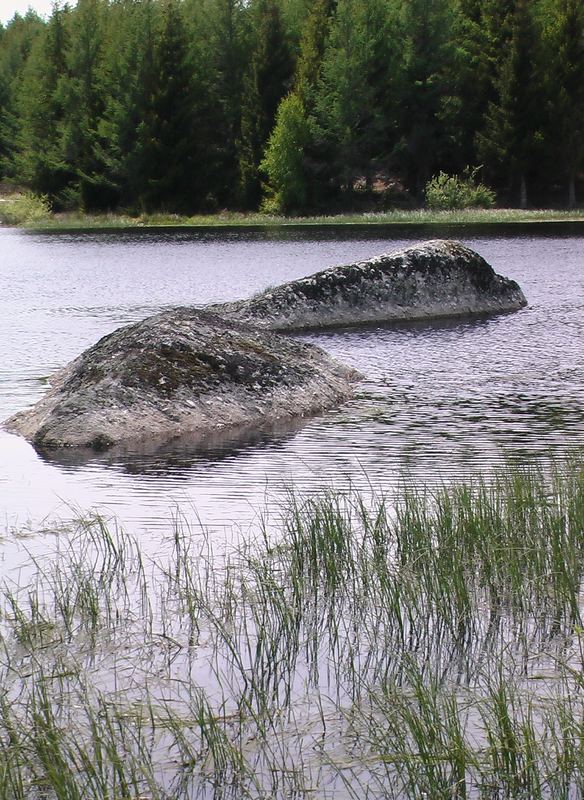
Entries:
{"x":439,"y":401}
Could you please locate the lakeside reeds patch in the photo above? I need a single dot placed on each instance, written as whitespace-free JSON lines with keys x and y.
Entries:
{"x":427,"y":645}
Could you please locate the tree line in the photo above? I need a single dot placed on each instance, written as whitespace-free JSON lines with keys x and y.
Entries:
{"x":291,"y":105}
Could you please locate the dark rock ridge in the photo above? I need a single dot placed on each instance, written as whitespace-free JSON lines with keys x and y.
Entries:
{"x":434,"y":279}
{"x":178,"y":372}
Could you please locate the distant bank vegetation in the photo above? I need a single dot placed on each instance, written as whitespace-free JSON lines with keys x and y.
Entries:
{"x":294,"y":106}
{"x":35,"y":212}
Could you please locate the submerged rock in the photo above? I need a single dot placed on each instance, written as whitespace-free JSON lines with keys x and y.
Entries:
{"x":178,"y":372}
{"x":434,"y":279}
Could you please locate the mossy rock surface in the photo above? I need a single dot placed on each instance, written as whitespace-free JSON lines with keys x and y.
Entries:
{"x":177,"y":372}
{"x":435,"y":279}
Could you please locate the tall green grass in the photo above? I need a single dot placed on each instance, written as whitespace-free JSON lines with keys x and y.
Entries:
{"x":427,"y":645}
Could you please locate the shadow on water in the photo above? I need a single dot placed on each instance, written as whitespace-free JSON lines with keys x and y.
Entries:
{"x":159,"y":457}
{"x":427,"y":325}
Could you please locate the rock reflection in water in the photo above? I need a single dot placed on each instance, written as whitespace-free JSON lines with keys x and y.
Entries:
{"x":179,"y":455}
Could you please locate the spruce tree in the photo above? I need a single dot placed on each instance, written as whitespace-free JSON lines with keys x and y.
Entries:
{"x":6,"y":134}
{"x":219,"y":34}
{"x":168,"y":139}
{"x":428,"y":85}
{"x":40,"y":158}
{"x":312,"y":47}
{"x":17,"y":39}
{"x":267,"y":81}
{"x":83,"y":97}
{"x":356,"y":95}
{"x":510,"y":141}
{"x":474,"y":81}
{"x":565,"y":64}
{"x":497,"y":23}
{"x":128,"y":77}
{"x":295,"y":163}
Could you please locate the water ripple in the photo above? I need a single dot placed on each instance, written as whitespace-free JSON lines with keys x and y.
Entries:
{"x":439,"y":400}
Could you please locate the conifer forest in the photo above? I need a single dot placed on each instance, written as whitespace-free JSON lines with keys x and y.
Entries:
{"x":292,"y":106}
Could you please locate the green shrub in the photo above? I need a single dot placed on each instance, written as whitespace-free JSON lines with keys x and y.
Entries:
{"x":25,"y":209}
{"x":451,"y":191}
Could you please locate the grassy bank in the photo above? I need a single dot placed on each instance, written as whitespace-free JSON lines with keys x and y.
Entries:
{"x":233,"y":219}
{"x":30,"y":213}
{"x":422,"y":646}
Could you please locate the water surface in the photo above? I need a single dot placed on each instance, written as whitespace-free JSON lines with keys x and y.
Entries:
{"x":439,"y":400}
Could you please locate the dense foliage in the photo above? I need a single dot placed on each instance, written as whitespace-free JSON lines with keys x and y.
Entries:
{"x":194,"y":105}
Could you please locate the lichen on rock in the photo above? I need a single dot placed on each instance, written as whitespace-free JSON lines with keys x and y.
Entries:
{"x":436,"y":279}
{"x":177,"y":372}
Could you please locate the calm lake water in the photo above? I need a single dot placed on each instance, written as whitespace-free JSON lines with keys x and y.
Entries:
{"x":439,"y":400}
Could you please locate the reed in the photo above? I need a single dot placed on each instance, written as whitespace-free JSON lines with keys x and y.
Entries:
{"x":424,"y":645}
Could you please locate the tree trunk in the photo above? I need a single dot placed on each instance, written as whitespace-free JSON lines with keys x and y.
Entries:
{"x":523,"y":192}
{"x":572,"y":190}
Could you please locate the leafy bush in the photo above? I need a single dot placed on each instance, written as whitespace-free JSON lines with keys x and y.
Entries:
{"x":25,"y":209}
{"x":450,"y":191}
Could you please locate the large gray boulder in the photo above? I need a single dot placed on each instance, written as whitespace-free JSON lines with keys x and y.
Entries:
{"x":434,"y":279}
{"x":178,"y":372}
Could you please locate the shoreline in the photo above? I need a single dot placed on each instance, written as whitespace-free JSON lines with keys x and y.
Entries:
{"x":65,"y":222}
